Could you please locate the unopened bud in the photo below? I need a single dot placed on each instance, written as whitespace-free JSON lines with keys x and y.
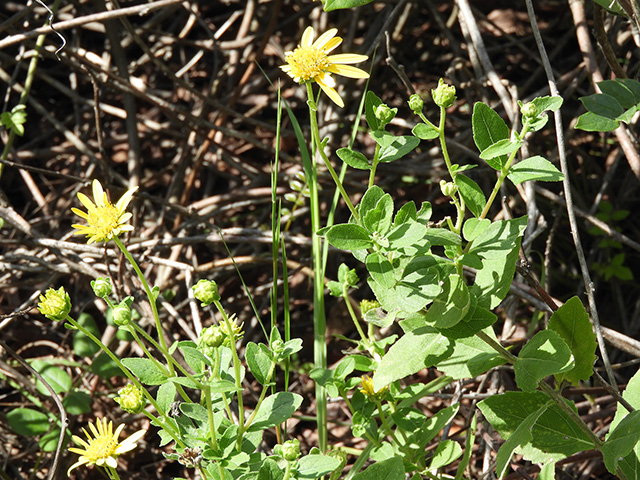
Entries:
{"x":448,"y":189}
{"x":122,"y":312}
{"x":529,"y":110}
{"x":206,"y":291}
{"x":416,"y":103}
{"x":384,"y":114}
{"x":55,"y":304}
{"x":131,"y":399}
{"x":444,"y":95}
{"x":101,"y":287}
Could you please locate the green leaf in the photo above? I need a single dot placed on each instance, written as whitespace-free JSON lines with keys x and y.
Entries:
{"x":315,"y":466}
{"x":553,"y":437}
{"x":521,"y":436}
{"x":165,"y":396}
{"x":471,"y":193}
{"x":622,"y":92}
{"x":276,"y":409}
{"x":348,"y":236}
{"x":58,"y":379}
{"x":592,"y":122}
{"x":497,"y":246}
{"x":630,"y":463}
{"x":49,"y":441}
{"x":474,"y":227}
{"x":547,"y":103}
{"x":446,"y":453}
{"x":451,"y":305}
{"x":371,"y":101}
{"x":194,"y":358}
{"x":353,"y":159}
{"x":370,"y":199}
{"x":195,"y":411}
{"x":105,"y":367}
{"x":379,"y":218}
{"x":603,"y":105}
{"x":500,"y":148}
{"x":390,"y":469}
{"x":621,"y":441}
{"x":534,"y":168}
{"x":406,"y":234}
{"x":478,"y":318}
{"x":442,"y":237}
{"x":488,"y":128}
{"x":398,"y":148}
{"x":425,"y":132}
{"x":27,"y":421}
{"x":545,"y":354}
{"x":380,"y":269}
{"x":83,"y":346}
{"x":571,"y":322}
{"x":145,"y":370}
{"x":77,"y":403}
{"x":471,"y":357}
{"x":417,"y":349}
{"x":431,"y":427}
{"x":259,"y":362}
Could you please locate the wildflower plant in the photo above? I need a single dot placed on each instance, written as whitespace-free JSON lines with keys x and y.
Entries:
{"x":415,"y":270}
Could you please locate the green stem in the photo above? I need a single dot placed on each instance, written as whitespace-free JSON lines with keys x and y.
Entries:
{"x":354,"y":318}
{"x":262,"y":395}
{"x":128,"y":374}
{"x":443,"y":143}
{"x":150,"y":296}
{"x":237,"y":368}
{"x":374,"y":166}
{"x":212,"y":429}
{"x":316,"y":139}
{"x":319,"y":320}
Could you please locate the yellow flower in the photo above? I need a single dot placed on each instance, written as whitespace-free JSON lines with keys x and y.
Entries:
{"x":105,"y":220}
{"x":368,"y":390}
{"x":104,"y":448}
{"x":311,"y":61}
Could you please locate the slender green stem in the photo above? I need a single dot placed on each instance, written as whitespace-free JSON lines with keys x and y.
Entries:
{"x":262,"y":395}
{"x":316,"y":139}
{"x":374,"y":166}
{"x":503,"y":174}
{"x":237,"y":368}
{"x":319,"y":320}
{"x":354,"y":318}
{"x":443,"y":143}
{"x":150,"y":296}
{"x":212,"y":426}
{"x":113,"y":473}
{"x":128,"y":374}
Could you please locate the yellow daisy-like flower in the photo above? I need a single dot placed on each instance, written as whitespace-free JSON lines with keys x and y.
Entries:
{"x":104,"y":448}
{"x":368,"y":390}
{"x":311,"y":61}
{"x":105,"y":220}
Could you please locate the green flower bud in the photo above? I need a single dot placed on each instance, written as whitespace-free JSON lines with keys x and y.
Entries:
{"x":206,"y":291}
{"x":384,"y":114}
{"x":290,"y":450}
{"x":342,"y":456}
{"x":416,"y":103}
{"x":211,"y":337}
{"x":529,"y":110}
{"x":55,"y":304}
{"x":101,"y":287}
{"x":444,"y":95}
{"x":122,"y":312}
{"x":277,"y":346}
{"x":131,"y":399}
{"x":448,"y":189}
{"x":368,"y":305}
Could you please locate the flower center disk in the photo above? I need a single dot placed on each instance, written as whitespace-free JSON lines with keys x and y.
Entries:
{"x":307,"y":62}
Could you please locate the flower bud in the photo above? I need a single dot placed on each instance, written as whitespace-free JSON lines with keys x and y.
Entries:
{"x":384,"y":114}
{"x":277,"y":346}
{"x":55,"y":304}
{"x":368,"y":305}
{"x":121,"y":314}
{"x":290,"y":450}
{"x":529,"y":110}
{"x":416,"y":103}
{"x":448,"y":189}
{"x":131,"y":399}
{"x":211,"y":337}
{"x":444,"y":95}
{"x":206,"y":291}
{"x":101,"y":287}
